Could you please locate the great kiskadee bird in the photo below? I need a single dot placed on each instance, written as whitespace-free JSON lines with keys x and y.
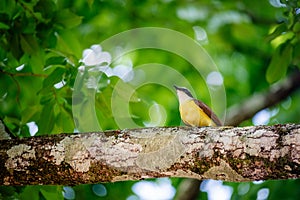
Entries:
{"x":194,"y":112}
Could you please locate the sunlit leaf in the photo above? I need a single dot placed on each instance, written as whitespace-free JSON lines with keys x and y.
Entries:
{"x":279,"y":63}
{"x":69,"y":45}
{"x":67,"y":19}
{"x":278,"y":31}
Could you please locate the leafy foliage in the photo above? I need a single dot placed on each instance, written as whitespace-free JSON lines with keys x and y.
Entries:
{"x":253,"y":43}
{"x":285,"y":38}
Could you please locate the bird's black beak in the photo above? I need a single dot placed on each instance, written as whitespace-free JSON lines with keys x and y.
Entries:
{"x":183,"y":89}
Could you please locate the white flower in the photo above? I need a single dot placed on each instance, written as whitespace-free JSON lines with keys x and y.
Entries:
{"x":94,"y":56}
{"x":124,"y":70}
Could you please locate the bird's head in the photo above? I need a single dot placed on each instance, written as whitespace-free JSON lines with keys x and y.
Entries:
{"x":183,"y":94}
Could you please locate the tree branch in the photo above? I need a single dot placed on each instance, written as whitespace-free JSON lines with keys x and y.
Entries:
{"x":188,"y":189}
{"x":246,"y":110}
{"x":223,"y":153}
{"x":251,"y":106}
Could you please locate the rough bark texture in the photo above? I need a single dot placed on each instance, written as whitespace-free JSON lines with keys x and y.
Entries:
{"x":224,"y":153}
{"x":246,"y":110}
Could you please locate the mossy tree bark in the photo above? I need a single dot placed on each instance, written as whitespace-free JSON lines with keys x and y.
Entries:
{"x":223,"y":153}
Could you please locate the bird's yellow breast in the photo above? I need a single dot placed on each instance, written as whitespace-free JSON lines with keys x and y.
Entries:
{"x":191,"y":114}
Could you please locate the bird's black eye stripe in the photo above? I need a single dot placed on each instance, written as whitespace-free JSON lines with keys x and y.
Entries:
{"x":186,"y":91}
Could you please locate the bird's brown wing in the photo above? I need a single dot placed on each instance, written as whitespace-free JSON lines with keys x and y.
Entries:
{"x":209,"y":112}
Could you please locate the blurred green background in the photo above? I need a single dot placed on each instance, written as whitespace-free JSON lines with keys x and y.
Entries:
{"x":254,"y":44}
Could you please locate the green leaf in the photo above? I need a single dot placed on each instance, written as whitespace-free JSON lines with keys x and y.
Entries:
{"x":52,"y":192}
{"x":24,"y":131}
{"x":103,"y":82}
{"x":55,"y":77}
{"x":46,"y":8}
{"x":4,"y":26}
{"x":30,"y":193}
{"x":29,"y":113}
{"x":67,"y":19}
{"x":90,"y":3}
{"x":37,"y":61}
{"x":15,"y":46}
{"x":279,"y":63}
{"x":69,"y":44}
{"x":48,"y":192}
{"x":47,"y":119}
{"x":29,"y":26}
{"x":46,"y":98}
{"x":296,"y":53}
{"x":7,"y":6}
{"x":29,"y":44}
{"x":8,"y":192}
{"x":12,"y":123}
{"x":56,"y":60}
{"x":65,"y":122}
{"x":296,"y":27}
{"x":277,"y":32}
